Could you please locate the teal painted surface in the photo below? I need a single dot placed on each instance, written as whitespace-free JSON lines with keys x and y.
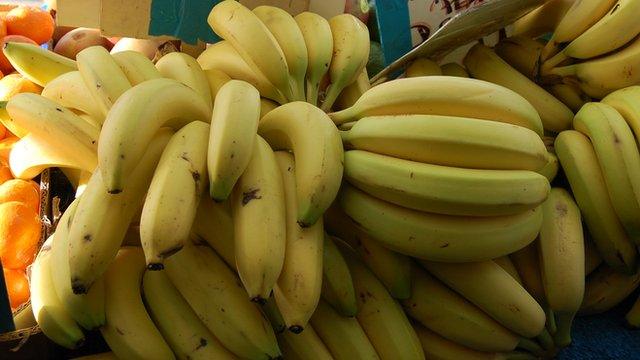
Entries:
{"x":394,"y":28}
{"x":184,"y":19}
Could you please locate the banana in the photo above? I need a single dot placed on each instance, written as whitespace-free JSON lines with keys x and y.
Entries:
{"x":422,"y":67}
{"x":561,"y":249}
{"x":254,"y":42}
{"x":570,"y":95}
{"x":317,"y":147}
{"x":266,"y":105}
{"x":285,"y":30}
{"x":522,"y":53}
{"x":550,"y":171}
{"x":541,"y":20}
{"x":37,"y":64}
{"x":526,"y":261}
{"x":592,"y":258}
{"x":101,"y":356}
{"x":213,"y":224}
{"x":627,"y":102}
{"x":580,"y":164}
{"x":318,"y":38}
{"x":271,"y":311}
{"x":102,"y":219}
{"x":299,"y":286}
{"x":343,"y":336}
{"x":581,"y":16}
{"x":174,"y":193}
{"x":352,"y":93}
{"x":31,"y":155}
{"x":86,"y":309}
{"x":603,"y":75}
{"x":454,"y":69}
{"x":633,"y":316}
{"x":136,"y":66}
{"x":70,"y":91}
{"x":393,"y":269}
{"x":129,"y":331}
{"x":337,"y":285}
{"x":186,"y":70}
{"x":234,"y":124}
{"x":73,"y":137}
{"x":443,"y":95}
{"x":216,"y":295}
{"x":442,"y":189}
{"x":396,"y":339}
{"x":102,"y":76}
{"x":134,"y":120}
{"x":449,"y":141}
{"x":619,"y":160}
{"x":259,"y":218}
{"x":507,"y":265}
{"x":493,"y":290}
{"x":217,"y":79}
{"x":482,"y":63}
{"x":438,"y":237}
{"x":350,"y":55}
{"x":52,"y":316}
{"x":304,"y":346}
{"x":606,"y":288}
{"x":451,"y":316}
{"x":179,"y":325}
{"x":222,"y":56}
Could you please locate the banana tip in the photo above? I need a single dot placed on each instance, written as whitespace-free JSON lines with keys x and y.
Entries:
{"x":115,"y":191}
{"x":79,"y":289}
{"x":296,"y":329}
{"x":155,"y":266}
{"x":259,"y":299}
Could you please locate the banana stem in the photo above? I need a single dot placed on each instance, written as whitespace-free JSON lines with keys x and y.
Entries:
{"x":551,"y":320}
{"x":633,"y":316}
{"x":564,"y":71}
{"x":549,"y":65}
{"x":312,"y":92}
{"x":563,"y":336}
{"x":332,"y":94}
{"x":546,"y":340}
{"x":550,"y":49}
{"x":531,"y":346}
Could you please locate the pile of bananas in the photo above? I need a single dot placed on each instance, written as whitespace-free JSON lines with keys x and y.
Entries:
{"x":221,"y":214}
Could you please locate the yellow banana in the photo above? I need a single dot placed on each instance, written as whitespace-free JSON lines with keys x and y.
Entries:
{"x":454,"y":69}
{"x":551,"y":169}
{"x":31,"y":155}
{"x":217,"y":79}
{"x":186,"y":70}
{"x":352,"y":93}
{"x":507,"y":265}
{"x":606,"y":288}
{"x":526,"y":261}
{"x":70,"y":91}
{"x":522,"y":53}
{"x":271,"y":311}
{"x":37,"y":64}
{"x":541,"y":20}
{"x":214,"y":225}
{"x":266,"y":105}
{"x":627,"y":102}
{"x":592,"y":258}
{"x":337,"y":285}
{"x":136,"y":66}
{"x":318,"y":38}
{"x":422,"y":67}
{"x":570,"y":95}
{"x":304,"y":346}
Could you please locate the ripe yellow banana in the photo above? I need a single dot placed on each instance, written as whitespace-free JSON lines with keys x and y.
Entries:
{"x":129,"y":331}
{"x":317,"y":147}
{"x":217,"y":79}
{"x":70,"y":91}
{"x":222,"y":56}
{"x":580,"y":17}
{"x":350,"y":55}
{"x":337,"y":285}
{"x":318,"y":38}
{"x":526,"y":261}
{"x":438,"y":237}
{"x":484,"y":64}
{"x":442,"y":189}
{"x":561,"y":248}
{"x":422,"y":67}
{"x":570,"y":95}
{"x":443,"y":311}
{"x":86,"y":309}
{"x":271,"y":311}
{"x":179,"y":325}
{"x":178,"y":182}
{"x":52,"y":317}
{"x":37,"y":64}
{"x":627,"y":102}
{"x":136,"y":66}
{"x":541,"y":20}
{"x":266,"y":105}
{"x":102,"y":219}
{"x":214,"y":225}
{"x":449,"y":141}
{"x":44,"y":119}
{"x":254,"y":42}
{"x":619,"y":160}
{"x":580,"y":164}
{"x":454,"y":69}
{"x":102,"y":76}
{"x":186,"y":70}
{"x":352,"y":93}
{"x":603,"y":75}
{"x":304,"y":346}
{"x":216,"y":295}
{"x":592,"y":258}
{"x":343,"y":336}
{"x":259,"y":218}
{"x":299,"y":286}
{"x":507,"y":265}
{"x":393,"y":269}
{"x":550,"y":170}
{"x":606,"y":288}
{"x":134,"y":120}
{"x":31,"y":155}
{"x":396,"y":339}
{"x":234,"y":125}
{"x":286,"y":31}
{"x":522,"y":53}
{"x":443,"y":95}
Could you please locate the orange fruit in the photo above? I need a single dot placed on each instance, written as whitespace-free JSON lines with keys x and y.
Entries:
{"x":24,"y":191}
{"x":3,"y":131}
{"x":5,"y":65}
{"x":17,"y":287}
{"x":32,"y":22}
{"x":13,"y":84}
{"x":3,"y":27}
{"x":19,"y":235}
{"x":5,"y":148}
{"x":5,"y":174}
